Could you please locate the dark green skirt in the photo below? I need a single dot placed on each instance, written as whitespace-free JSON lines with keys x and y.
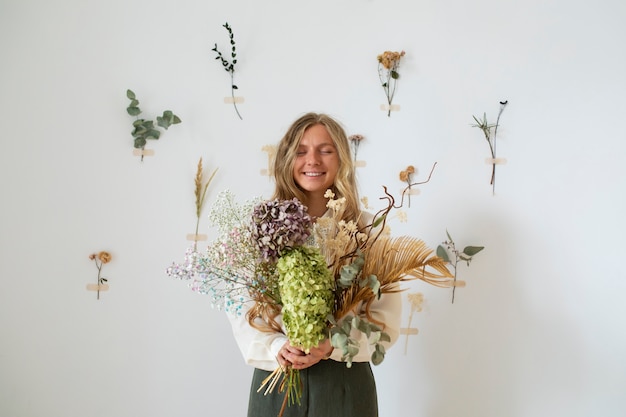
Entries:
{"x":330,"y":389}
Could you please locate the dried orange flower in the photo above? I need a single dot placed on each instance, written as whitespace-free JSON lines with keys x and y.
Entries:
{"x":405,"y":176}
{"x":105,"y":257}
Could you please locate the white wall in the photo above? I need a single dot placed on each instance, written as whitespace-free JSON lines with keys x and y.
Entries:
{"x":539,"y":330}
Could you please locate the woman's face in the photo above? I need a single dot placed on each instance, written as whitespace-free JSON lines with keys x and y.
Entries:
{"x":317,"y":162}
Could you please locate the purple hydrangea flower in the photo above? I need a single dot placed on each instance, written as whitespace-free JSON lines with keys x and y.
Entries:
{"x":278,"y":225}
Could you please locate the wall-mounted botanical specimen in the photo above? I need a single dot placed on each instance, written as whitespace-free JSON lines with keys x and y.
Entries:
{"x":449,"y":253}
{"x":416,"y":300}
{"x":406,"y":176}
{"x":491,"y":132}
{"x":200,"y":189}
{"x":100,"y":259}
{"x":229,"y":66}
{"x":355,"y":141}
{"x":145,"y":129}
{"x":388,"y":64}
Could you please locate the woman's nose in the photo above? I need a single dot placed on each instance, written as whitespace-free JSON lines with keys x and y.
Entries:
{"x":312,"y":158}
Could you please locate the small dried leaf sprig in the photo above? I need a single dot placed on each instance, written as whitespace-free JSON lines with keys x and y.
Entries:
{"x":201,"y":187}
{"x":491,"y":139}
{"x":100,"y":259}
{"x":388,"y":64}
{"x":355,"y":141}
{"x":229,"y":66}
{"x":406,"y":176}
{"x":144,"y":129}
{"x":449,"y":253}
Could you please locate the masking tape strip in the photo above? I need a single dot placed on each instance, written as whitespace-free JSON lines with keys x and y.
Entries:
{"x":200,"y":237}
{"x":359,"y":164}
{"x":143,"y":152}
{"x":387,"y":107}
{"x":231,"y":100}
{"x":496,"y":161}
{"x":97,"y":287}
{"x":411,"y":191}
{"x":411,"y":330}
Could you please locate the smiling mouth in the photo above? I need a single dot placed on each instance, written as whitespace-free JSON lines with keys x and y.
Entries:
{"x":313,"y":174}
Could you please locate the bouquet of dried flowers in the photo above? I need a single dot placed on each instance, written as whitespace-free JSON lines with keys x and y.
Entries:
{"x":388,"y":64}
{"x":322,"y":277}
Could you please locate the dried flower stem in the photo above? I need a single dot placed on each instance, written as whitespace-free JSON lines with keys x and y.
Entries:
{"x":486,"y":128}
{"x":388,"y":64}
{"x":100,"y":259}
{"x":200,"y":192}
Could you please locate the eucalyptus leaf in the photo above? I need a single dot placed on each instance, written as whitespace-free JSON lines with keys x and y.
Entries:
{"x":377,"y":358}
{"x":442,"y":253}
{"x":140,"y":142}
{"x":395,"y":75}
{"x":130,"y":94}
{"x":352,"y":351}
{"x":472,"y":250}
{"x":339,"y":340}
{"x":153,"y":134}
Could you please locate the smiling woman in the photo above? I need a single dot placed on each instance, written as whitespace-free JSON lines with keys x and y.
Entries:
{"x":313,"y":163}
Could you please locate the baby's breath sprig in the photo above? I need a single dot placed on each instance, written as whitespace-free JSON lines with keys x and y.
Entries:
{"x":487,"y":129}
{"x":229,"y":66}
{"x":448,"y":247}
{"x":388,"y":64}
{"x":100,"y":259}
{"x":406,"y":177}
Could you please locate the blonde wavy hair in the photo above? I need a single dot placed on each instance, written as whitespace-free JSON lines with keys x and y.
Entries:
{"x":282,"y":166}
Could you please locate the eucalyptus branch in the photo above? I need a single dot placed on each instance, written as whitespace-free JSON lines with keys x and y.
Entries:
{"x":143,"y":129}
{"x":448,"y":247}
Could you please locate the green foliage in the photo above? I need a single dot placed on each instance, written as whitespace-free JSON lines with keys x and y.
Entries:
{"x":448,"y":248}
{"x":341,"y":338}
{"x":143,"y":129}
{"x":229,"y":66}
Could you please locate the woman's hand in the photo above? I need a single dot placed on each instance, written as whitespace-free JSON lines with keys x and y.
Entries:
{"x":298,"y":359}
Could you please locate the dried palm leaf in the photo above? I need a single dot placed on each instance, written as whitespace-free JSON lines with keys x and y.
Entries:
{"x":394,"y":260}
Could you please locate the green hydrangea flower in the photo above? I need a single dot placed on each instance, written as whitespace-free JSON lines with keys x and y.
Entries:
{"x":306,"y":291}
